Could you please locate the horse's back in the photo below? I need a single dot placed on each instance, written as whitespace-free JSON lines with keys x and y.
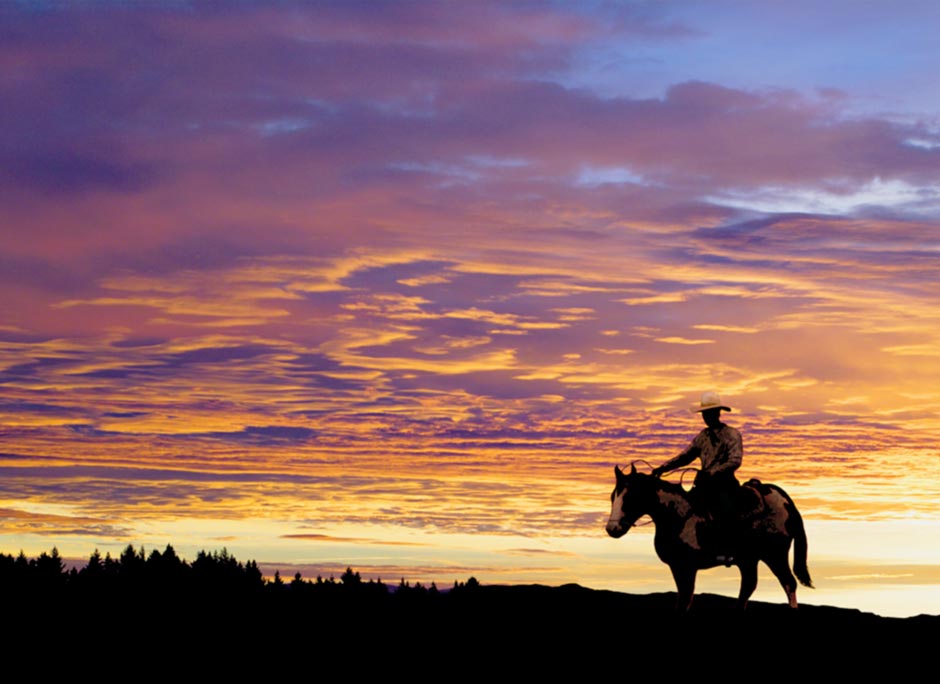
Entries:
{"x":769,"y":508}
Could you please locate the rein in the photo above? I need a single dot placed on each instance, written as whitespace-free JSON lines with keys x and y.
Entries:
{"x":682,"y":471}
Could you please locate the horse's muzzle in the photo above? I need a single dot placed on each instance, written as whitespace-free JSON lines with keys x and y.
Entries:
{"x":616,"y":529}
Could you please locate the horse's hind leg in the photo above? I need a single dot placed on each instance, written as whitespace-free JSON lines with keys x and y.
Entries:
{"x":780,"y":566}
{"x":685,"y":586}
{"x":748,"y":582}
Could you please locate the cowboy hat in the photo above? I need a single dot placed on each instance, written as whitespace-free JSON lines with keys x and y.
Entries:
{"x":710,"y":400}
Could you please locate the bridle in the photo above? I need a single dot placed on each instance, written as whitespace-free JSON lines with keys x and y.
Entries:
{"x":633,"y":524}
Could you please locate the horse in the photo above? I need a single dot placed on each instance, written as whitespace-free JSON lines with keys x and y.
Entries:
{"x":682,"y":540}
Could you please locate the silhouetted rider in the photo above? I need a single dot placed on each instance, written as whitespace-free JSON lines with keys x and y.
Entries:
{"x":720,"y":451}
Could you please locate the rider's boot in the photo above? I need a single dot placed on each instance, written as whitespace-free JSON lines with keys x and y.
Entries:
{"x":726,"y":539}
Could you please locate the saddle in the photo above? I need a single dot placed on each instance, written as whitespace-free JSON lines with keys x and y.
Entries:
{"x":736,"y":504}
{"x":728,"y":520}
{"x":751,"y":500}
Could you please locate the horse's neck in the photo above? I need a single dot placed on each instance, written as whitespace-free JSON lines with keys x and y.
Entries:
{"x":670,"y":506}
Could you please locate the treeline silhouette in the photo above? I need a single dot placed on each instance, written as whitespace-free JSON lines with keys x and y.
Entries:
{"x":216,"y":594}
{"x":212,"y":611}
{"x":212,"y":575}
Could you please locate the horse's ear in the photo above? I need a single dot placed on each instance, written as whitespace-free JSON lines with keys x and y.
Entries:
{"x":632,"y":469}
{"x":618,"y":472}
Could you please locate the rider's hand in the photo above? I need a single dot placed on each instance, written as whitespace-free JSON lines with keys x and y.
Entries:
{"x":657,"y":472}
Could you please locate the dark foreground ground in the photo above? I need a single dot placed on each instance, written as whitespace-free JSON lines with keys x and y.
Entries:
{"x":161,"y":617}
{"x":478,"y":629}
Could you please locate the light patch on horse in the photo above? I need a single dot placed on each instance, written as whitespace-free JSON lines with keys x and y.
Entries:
{"x":616,"y":512}
{"x":689,"y":535}
{"x":681,"y":506}
{"x":677,"y":503}
{"x":776,"y":520}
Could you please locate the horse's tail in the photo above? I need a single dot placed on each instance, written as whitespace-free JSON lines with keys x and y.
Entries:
{"x":800,"y":544}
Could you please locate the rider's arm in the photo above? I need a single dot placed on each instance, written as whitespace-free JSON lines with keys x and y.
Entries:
{"x":683,"y":459}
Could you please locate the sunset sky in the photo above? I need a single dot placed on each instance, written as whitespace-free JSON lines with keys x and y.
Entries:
{"x":396,"y":284}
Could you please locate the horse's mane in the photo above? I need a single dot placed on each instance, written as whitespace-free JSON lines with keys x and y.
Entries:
{"x":673,"y":487}
{"x":666,"y":485}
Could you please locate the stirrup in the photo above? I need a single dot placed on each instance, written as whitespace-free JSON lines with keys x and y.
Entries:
{"x":726,"y":559}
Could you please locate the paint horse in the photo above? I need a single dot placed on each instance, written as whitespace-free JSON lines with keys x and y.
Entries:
{"x":682,"y":538}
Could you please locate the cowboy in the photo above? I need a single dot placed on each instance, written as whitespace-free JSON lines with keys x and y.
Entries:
{"x":720,"y":451}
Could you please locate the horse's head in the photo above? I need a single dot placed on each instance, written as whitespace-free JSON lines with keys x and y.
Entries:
{"x":628,"y":501}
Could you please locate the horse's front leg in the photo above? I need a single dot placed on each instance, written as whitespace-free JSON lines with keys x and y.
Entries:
{"x":685,"y":586}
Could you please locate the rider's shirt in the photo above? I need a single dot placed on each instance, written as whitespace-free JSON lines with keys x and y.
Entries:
{"x":720,"y":451}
